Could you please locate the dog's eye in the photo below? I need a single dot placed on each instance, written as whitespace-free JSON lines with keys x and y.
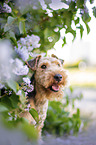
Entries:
{"x":58,"y":64}
{"x":43,"y":66}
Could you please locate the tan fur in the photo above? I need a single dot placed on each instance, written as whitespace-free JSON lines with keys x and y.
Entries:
{"x":43,"y":79}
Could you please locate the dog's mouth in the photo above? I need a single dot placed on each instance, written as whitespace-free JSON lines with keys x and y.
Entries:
{"x":54,"y":87}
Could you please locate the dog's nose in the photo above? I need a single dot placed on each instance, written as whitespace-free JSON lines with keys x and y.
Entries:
{"x":58,"y":77}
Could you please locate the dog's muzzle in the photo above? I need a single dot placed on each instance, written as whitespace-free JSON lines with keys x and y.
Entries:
{"x":55,"y":86}
{"x":58,"y":77}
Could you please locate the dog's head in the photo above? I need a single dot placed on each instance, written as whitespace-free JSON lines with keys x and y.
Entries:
{"x":49,"y":73}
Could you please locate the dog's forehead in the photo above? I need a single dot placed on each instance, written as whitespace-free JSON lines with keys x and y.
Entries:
{"x":49,"y":60}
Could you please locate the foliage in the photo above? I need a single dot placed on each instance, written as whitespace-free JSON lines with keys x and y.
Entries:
{"x":22,"y":20}
{"x":28,"y":28}
{"x":59,"y":120}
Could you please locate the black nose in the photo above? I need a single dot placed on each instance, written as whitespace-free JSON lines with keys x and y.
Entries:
{"x":58,"y":77}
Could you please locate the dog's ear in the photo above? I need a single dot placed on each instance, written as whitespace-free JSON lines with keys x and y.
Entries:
{"x":33,"y":63}
{"x":54,"y":56}
{"x":61,"y":60}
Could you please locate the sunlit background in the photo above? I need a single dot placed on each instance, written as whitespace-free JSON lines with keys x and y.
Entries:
{"x":79,"y":55}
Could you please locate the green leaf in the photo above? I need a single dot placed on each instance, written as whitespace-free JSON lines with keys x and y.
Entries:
{"x":12,"y":34}
{"x":7,"y":102}
{"x":81,"y":30}
{"x":22,"y":97}
{"x":71,"y":89}
{"x":34,"y":114}
{"x":79,"y":3}
{"x":48,"y":1}
{"x":6,"y":27}
{"x":77,"y":20}
{"x":14,"y":100}
{"x":10,"y":20}
{"x":47,"y":33}
{"x":9,"y":25}
{"x":3,"y":108}
{"x":12,"y":37}
{"x":67,"y":18}
{"x":94,"y":11}
{"x":72,"y":6}
{"x":71,"y":31}
{"x":86,"y":18}
{"x":13,"y":85}
{"x":88,"y":28}
{"x":64,"y":40}
{"x":91,"y":1}
{"x":30,"y":131}
{"x":22,"y":27}
{"x":78,"y":112}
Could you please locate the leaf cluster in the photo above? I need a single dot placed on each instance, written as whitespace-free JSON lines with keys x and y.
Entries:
{"x":12,"y":105}
{"x":37,"y":21}
{"x":59,"y":120}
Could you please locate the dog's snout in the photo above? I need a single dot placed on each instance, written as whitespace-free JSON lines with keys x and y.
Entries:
{"x":58,"y":77}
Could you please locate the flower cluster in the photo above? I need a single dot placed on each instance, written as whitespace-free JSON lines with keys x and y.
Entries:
{"x":19,"y":68}
{"x":28,"y":87}
{"x":6,"y":8}
{"x":26,"y":45}
{"x":10,"y":67}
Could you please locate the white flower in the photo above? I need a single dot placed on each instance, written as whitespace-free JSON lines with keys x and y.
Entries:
{"x":26,"y":45}
{"x":49,"y":12}
{"x":18,"y":63}
{"x":30,"y":48}
{"x":23,"y":41}
{"x":1,"y":86}
{"x":19,"y":93}
{"x":6,"y":8}
{"x":19,"y":68}
{"x":5,"y":51}
{"x":36,"y":45}
{"x":24,"y":70}
{"x":35,"y":40}
{"x":26,"y":80}
{"x":28,"y":107}
{"x":26,"y":93}
{"x":11,"y":60}
{"x":56,"y":29}
{"x":28,"y":41}
{"x":5,"y":60}
{"x":30,"y":89}
{"x":22,"y":52}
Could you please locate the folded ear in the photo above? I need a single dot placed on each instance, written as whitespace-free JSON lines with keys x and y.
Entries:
{"x":33,"y":63}
{"x":54,"y":56}
{"x":61,"y":60}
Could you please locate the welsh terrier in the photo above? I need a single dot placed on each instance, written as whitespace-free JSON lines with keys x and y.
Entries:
{"x":49,"y":79}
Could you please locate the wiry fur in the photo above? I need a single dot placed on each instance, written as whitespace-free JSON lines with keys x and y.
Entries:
{"x":42,"y":80}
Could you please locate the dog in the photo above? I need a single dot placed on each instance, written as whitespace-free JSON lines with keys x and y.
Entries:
{"x":49,"y":79}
